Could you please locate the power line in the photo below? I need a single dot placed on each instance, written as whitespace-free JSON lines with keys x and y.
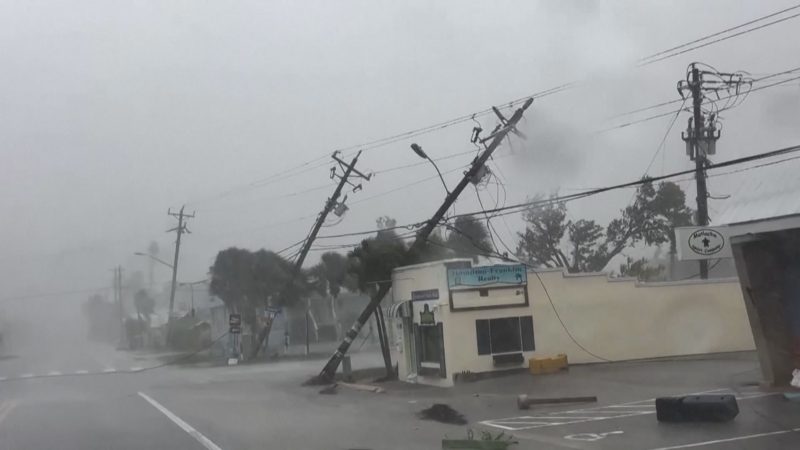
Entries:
{"x":370,"y":145}
{"x":718,"y":33}
{"x":664,"y":139}
{"x":657,"y":116}
{"x":732,"y":162}
{"x":706,"y":44}
{"x":520,"y":207}
{"x":672,"y":102}
{"x":305,"y":166}
{"x":56,"y":293}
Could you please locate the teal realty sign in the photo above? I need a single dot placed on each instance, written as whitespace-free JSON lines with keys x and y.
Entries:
{"x":487,"y":276}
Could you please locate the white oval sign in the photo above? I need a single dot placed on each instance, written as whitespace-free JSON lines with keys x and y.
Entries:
{"x":706,"y":242}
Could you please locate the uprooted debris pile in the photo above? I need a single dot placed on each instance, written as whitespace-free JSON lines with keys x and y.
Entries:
{"x":441,"y":412}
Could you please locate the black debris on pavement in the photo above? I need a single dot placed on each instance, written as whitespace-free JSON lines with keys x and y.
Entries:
{"x":441,"y":412}
{"x":330,"y":390}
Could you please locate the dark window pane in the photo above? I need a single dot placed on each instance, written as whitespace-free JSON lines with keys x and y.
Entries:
{"x":526,"y":330}
{"x":483,"y":292}
{"x":482,"y":331}
{"x":505,"y":335}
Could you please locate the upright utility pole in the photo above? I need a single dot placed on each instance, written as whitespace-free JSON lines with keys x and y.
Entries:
{"x":332,"y":204}
{"x":701,"y":134}
{"x":179,"y":230}
{"x":699,"y":158}
{"x":475,"y":172}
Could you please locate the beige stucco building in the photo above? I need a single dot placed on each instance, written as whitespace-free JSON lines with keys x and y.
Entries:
{"x":491,"y":318}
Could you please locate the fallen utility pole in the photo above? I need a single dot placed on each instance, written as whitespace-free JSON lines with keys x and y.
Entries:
{"x":474,"y":173}
{"x":332,"y":204}
{"x":179,"y":230}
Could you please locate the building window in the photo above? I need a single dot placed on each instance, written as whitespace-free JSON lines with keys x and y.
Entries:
{"x":483,"y":292}
{"x":504,"y":335}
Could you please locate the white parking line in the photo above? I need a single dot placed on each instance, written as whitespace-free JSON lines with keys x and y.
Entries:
{"x":135,"y":369}
{"x":733,"y":439}
{"x":206,"y":442}
{"x":53,"y":373}
{"x":81,"y":372}
{"x":109,"y":370}
{"x":27,"y":375}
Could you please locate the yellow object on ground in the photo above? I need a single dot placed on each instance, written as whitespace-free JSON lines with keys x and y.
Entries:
{"x":539,"y":366}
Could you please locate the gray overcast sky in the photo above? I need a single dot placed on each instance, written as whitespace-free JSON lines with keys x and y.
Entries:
{"x":115,"y":111}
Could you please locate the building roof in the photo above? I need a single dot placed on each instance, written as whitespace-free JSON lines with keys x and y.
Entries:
{"x":768,"y":193}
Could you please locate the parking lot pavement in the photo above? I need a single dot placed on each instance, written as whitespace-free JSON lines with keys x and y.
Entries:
{"x":624,"y":416}
{"x":765,"y":418}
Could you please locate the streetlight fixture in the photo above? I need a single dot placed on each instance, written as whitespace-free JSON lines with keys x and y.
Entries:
{"x":161,"y":261}
{"x":421,"y":153}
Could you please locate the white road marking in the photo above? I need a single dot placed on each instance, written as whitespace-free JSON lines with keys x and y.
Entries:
{"x":733,"y":439}
{"x":206,"y":442}
{"x":81,"y":372}
{"x":6,"y":408}
{"x":109,"y":370}
{"x":27,"y":375}
{"x":53,"y":373}
{"x":591,"y":437}
{"x":135,"y":369}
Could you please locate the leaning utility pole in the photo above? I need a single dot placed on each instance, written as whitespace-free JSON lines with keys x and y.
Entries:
{"x":701,"y":135}
{"x":332,"y":204}
{"x":180,"y":229}
{"x":476,"y":171}
{"x":118,"y":300}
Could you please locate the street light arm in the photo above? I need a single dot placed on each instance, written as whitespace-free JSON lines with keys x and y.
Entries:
{"x":160,"y":261}
{"x":440,"y":175}
{"x":421,"y":153}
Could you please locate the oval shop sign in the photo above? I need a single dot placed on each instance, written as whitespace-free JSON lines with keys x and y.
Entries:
{"x":706,"y":242}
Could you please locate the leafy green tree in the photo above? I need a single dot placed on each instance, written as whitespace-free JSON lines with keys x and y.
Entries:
{"x":374,"y":259}
{"x":550,"y":240}
{"x":249,"y":281}
{"x":469,"y":238}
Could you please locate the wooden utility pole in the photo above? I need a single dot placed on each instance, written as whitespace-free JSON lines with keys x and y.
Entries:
{"x":332,"y":204}
{"x":702,"y":134}
{"x":699,"y":158}
{"x":120,"y":309}
{"x":474,"y":174}
{"x":179,"y":230}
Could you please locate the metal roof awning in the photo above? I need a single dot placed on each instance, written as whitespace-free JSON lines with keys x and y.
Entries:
{"x":767,"y":201}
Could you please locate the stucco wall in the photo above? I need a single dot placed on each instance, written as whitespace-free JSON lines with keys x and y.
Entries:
{"x":614,"y":319}
{"x":622,"y":319}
